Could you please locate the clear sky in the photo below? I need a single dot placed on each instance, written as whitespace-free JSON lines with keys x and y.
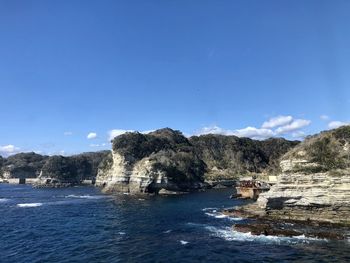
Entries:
{"x":71,"y":68}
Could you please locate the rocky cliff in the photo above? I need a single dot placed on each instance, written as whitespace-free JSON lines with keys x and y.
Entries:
{"x":72,"y":170}
{"x":22,"y":165}
{"x":315,"y":181}
{"x":230,"y":157}
{"x":163,"y":160}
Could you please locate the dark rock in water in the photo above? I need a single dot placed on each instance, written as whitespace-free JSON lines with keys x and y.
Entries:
{"x":23,"y":165}
{"x":147,"y":163}
{"x":293,"y":229}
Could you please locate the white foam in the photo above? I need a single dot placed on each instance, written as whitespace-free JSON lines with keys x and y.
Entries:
{"x":218,"y":215}
{"x":121,"y":233}
{"x":231,"y":235}
{"x":4,"y":200}
{"x":167,"y":232}
{"x":86,"y":196}
{"x":30,"y":205}
{"x":183,"y":242}
{"x":210,"y":209}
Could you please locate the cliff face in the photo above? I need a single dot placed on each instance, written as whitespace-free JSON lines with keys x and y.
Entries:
{"x":72,"y":170}
{"x":230,"y":157}
{"x":315,"y":180}
{"x":148,"y":163}
{"x":22,"y":165}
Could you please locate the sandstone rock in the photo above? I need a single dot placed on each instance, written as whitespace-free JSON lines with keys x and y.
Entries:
{"x":315,"y":181}
{"x":147,"y":163}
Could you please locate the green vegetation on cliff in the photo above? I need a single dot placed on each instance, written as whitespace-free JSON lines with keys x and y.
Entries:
{"x":231,"y":156}
{"x":329,"y":150}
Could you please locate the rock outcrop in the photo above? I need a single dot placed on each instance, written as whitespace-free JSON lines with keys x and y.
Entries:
{"x":315,"y":181}
{"x":61,"y":171}
{"x":149,"y":163}
{"x":231,"y":157}
{"x":23,"y":165}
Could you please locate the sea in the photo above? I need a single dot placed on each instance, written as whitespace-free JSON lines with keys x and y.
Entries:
{"x":81,"y":224}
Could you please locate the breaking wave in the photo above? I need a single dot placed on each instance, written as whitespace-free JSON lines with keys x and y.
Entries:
{"x":87,"y":196}
{"x":219,"y":215}
{"x":30,"y":205}
{"x":231,"y":235}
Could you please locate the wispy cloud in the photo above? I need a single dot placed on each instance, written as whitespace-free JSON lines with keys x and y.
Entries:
{"x":96,"y":145}
{"x":293,"y":126}
{"x":116,"y":132}
{"x":91,"y":135}
{"x":324,"y":117}
{"x":337,"y":124}
{"x":285,"y":125}
{"x":68,"y":133}
{"x":251,"y":132}
{"x":7,"y":150}
{"x":277,"y":121}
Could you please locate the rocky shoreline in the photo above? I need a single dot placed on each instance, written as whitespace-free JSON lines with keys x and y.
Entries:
{"x":312,"y":193}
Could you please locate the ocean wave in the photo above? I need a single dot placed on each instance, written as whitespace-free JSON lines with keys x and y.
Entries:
{"x":86,"y":196}
{"x":167,"y":231}
{"x":30,"y":205}
{"x":231,"y":235}
{"x":219,"y":215}
{"x":183,"y":242}
{"x":213,"y":209}
{"x":4,"y":200}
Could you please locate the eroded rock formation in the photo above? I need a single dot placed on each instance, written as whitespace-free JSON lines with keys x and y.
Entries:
{"x":315,"y":181}
{"x":148,"y":163}
{"x":22,"y":165}
{"x":61,"y":171}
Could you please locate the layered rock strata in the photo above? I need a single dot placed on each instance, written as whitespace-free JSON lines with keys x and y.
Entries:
{"x":315,"y":181}
{"x":149,"y":163}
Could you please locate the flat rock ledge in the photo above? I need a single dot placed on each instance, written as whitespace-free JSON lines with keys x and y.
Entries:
{"x":259,"y":223}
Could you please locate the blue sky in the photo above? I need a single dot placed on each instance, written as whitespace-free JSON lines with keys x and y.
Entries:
{"x":71,"y":68}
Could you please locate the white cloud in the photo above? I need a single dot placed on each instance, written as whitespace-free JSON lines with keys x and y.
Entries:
{"x":324,"y":117}
{"x":250,"y":132}
{"x":254,"y":133}
{"x":8,"y":150}
{"x":293,"y":126}
{"x":277,"y":121}
{"x":336,"y":124}
{"x":116,"y":132}
{"x":94,"y":145}
{"x":68,"y":133}
{"x":91,"y":135}
{"x":214,"y":130}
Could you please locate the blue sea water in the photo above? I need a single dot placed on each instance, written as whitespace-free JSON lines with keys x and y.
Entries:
{"x":81,"y":224}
